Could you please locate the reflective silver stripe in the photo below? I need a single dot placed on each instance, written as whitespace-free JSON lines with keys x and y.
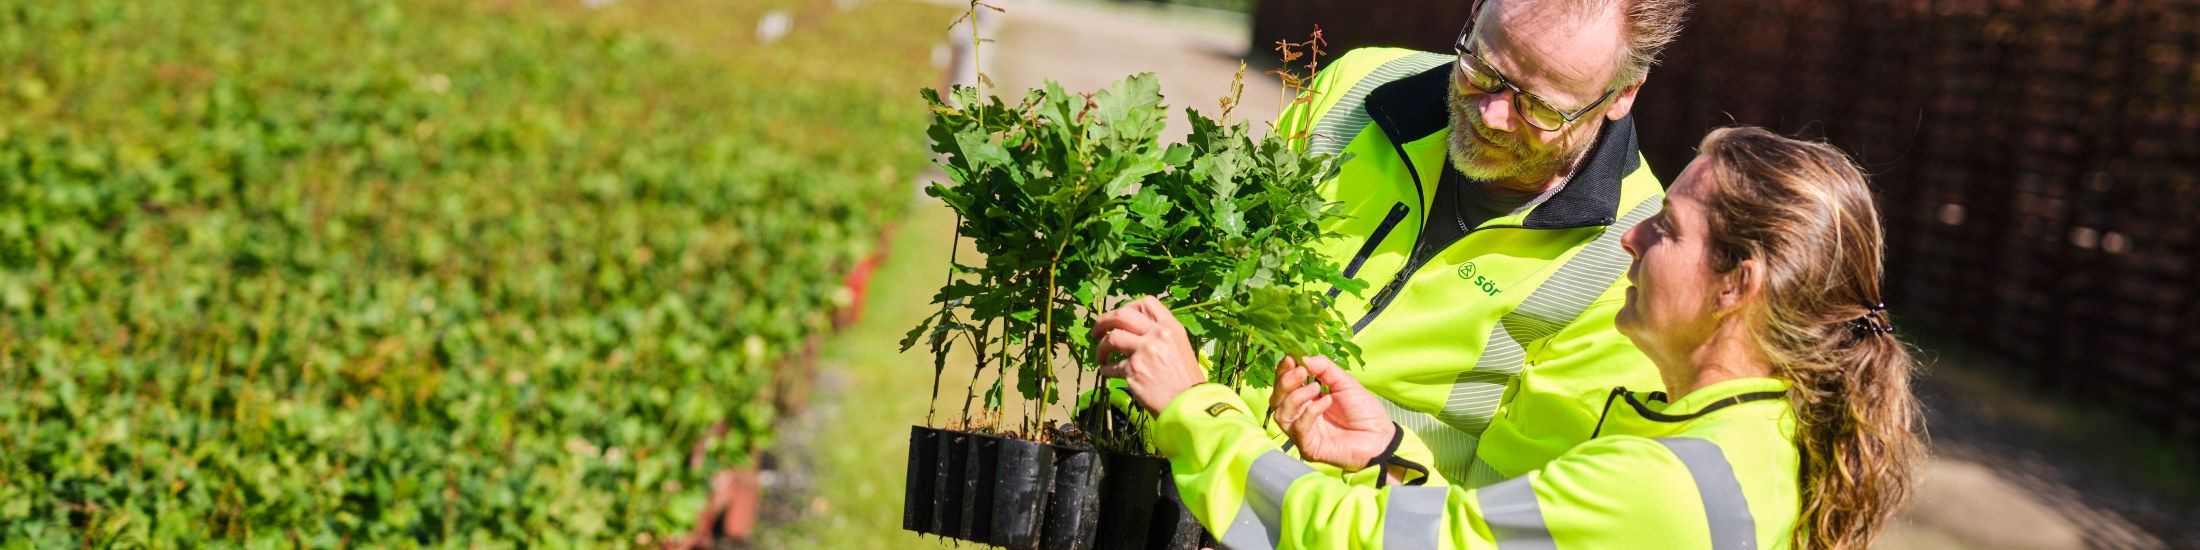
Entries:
{"x":1453,"y":448}
{"x":1414,"y":518}
{"x":1514,"y":517}
{"x":1482,"y":475}
{"x":1259,"y":522}
{"x":1246,"y":532}
{"x":1475,"y":393}
{"x":1557,"y":302}
{"x":1348,"y":116}
{"x":1561,"y":299}
{"x":1724,"y":507}
{"x":1453,"y":432}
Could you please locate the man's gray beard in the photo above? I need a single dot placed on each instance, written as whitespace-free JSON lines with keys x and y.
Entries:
{"x":1465,"y":150}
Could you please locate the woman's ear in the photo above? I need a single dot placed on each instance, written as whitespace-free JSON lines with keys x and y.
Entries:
{"x":1740,"y":286}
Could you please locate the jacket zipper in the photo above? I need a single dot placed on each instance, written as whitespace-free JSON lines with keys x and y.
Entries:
{"x":1382,"y":298}
{"x":1397,"y":214}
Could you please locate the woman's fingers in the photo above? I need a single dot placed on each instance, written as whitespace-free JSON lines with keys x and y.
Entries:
{"x":1149,"y":350}
{"x":1329,"y":374}
{"x":1288,"y":377}
{"x":1115,"y":343}
{"x":1300,"y":395}
{"x":1135,"y":318}
{"x":1294,"y":403}
{"x":1315,"y":363}
{"x":1160,"y":323}
{"x":1310,"y":414}
{"x":1118,"y":369}
{"x":1287,"y":365}
{"x":1127,"y":319}
{"x":1106,"y":347}
{"x":1154,"y":309}
{"x":1292,"y":377}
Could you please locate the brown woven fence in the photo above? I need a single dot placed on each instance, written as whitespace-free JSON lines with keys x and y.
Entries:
{"x":2038,"y":160}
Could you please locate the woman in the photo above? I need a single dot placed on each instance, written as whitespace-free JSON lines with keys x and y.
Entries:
{"x":1787,"y":420}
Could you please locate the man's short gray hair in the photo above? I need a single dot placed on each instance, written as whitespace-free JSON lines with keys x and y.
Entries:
{"x":1649,"y":25}
{"x":1646,"y":26}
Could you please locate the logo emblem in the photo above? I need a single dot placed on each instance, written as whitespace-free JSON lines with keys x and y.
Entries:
{"x":1468,"y":273}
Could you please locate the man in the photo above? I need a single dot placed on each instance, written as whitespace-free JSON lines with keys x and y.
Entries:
{"x":1487,"y":193}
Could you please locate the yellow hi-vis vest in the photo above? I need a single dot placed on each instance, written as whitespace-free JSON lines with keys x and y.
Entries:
{"x":1716,"y":469}
{"x":1498,"y":351}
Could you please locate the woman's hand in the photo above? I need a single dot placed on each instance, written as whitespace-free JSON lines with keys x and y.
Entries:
{"x":1155,"y":355}
{"x":1344,"y":427}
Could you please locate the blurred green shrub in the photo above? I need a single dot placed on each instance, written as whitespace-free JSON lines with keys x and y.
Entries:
{"x":358,"y":273}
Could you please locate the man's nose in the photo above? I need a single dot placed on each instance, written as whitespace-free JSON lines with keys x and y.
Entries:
{"x":1627,"y":241}
{"x":1497,"y":110}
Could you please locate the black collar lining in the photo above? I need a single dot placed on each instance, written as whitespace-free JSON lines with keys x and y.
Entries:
{"x":1714,"y":406}
{"x":1644,"y":410}
{"x":1412,"y":108}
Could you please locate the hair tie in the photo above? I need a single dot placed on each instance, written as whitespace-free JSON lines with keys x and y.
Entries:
{"x":1868,"y":324}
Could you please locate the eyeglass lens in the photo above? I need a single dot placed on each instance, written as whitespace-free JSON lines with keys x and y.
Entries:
{"x":1537,"y":112}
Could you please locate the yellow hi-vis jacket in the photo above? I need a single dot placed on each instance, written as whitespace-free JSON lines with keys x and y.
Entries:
{"x":1716,"y":469}
{"x":1498,"y":351}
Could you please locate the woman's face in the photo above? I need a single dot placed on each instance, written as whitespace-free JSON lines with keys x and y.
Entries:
{"x":1669,"y":309}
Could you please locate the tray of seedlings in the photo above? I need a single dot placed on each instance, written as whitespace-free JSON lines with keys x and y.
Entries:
{"x":1076,"y":207}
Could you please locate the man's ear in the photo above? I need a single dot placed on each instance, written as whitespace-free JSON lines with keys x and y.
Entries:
{"x":1740,"y":286}
{"x":1624,"y":103}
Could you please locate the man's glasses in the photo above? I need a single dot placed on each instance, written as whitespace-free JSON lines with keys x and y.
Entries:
{"x":1485,"y":77}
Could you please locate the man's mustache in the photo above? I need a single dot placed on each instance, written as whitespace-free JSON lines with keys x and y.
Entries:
{"x":1473,"y":116}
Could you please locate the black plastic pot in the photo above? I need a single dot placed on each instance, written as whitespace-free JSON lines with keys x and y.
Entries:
{"x":1127,"y":498}
{"x":948,"y":480}
{"x":1073,"y":511}
{"x":1173,"y":527}
{"x":982,"y":473}
{"x":917,"y":504}
{"x":1024,"y":495}
{"x":1025,"y":475}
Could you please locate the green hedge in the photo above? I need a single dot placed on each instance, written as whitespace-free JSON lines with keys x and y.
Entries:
{"x":347,"y":272}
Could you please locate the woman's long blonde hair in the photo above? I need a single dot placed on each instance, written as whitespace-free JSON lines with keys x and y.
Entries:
{"x":1802,"y":213}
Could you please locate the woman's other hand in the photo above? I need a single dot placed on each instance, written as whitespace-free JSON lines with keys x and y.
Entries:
{"x":1344,"y":426}
{"x":1152,"y":352}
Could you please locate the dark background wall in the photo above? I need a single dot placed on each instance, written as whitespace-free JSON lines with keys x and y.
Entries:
{"x":2038,"y":161}
{"x":1428,"y":25}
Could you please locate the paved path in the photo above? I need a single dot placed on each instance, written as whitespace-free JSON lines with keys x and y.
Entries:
{"x":1963,"y":504}
{"x":1086,"y":46}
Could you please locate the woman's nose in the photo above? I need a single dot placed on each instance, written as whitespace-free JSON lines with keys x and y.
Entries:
{"x":1627,"y":241}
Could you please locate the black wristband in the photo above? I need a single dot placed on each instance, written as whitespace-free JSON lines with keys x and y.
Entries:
{"x":1390,"y":458}
{"x":1397,"y":436}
